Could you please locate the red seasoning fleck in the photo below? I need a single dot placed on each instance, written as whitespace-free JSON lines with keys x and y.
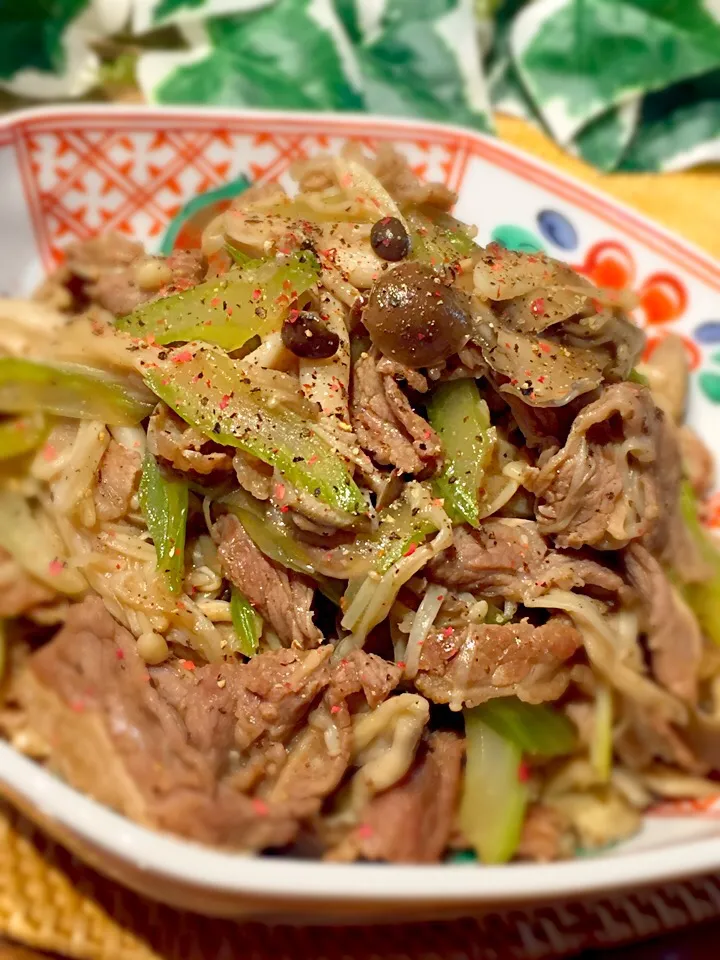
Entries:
{"x":334,"y":708}
{"x":188,"y":664}
{"x":313,"y":460}
{"x":77,"y":705}
{"x":545,"y":347}
{"x":364,"y":831}
{"x":185,"y":356}
{"x":448,"y":631}
{"x":523,"y":772}
{"x":260,"y":807}
{"x":401,"y":664}
{"x":537,"y":306}
{"x":119,"y":654}
{"x":224,"y":401}
{"x":280,"y":491}
{"x":410,"y":550}
{"x":257,"y":293}
{"x":49,"y":452}
{"x":55,"y":567}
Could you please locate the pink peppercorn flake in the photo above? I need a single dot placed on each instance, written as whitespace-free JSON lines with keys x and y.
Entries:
{"x":55,"y":567}
{"x":334,"y":708}
{"x":410,"y":550}
{"x":523,"y":772}
{"x":185,"y":356}
{"x":260,"y":807}
{"x":119,"y":654}
{"x":188,"y":665}
{"x":364,"y":831}
{"x":448,"y":631}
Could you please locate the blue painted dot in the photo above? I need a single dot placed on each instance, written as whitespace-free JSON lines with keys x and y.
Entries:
{"x":708,"y":332}
{"x":517,"y":238}
{"x":556,"y":228}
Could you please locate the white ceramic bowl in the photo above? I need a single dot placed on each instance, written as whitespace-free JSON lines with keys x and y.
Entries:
{"x":70,"y":173}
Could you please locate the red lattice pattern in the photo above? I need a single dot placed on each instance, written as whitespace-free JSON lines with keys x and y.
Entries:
{"x":84,"y":179}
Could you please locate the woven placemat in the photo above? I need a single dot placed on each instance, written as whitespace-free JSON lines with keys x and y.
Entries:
{"x":50,"y":902}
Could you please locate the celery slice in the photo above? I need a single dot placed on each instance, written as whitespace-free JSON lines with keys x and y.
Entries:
{"x":702,"y":598}
{"x":164,"y":504}
{"x":21,"y":435}
{"x":535,"y":728}
{"x":247,"y":624}
{"x":462,"y":420}
{"x":493,"y":799}
{"x":70,"y":390}
{"x":228,"y":310}
{"x":211,"y":392}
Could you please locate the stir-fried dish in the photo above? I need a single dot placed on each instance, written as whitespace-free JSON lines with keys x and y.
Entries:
{"x":346,"y":537}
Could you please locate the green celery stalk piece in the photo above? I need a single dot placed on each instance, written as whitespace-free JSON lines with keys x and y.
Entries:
{"x":70,"y":390}
{"x":462,"y":420}
{"x":21,"y":435}
{"x":278,"y":547}
{"x":636,"y":377}
{"x":211,"y":392}
{"x":164,"y":504}
{"x":535,"y":728}
{"x":702,"y":598}
{"x":247,"y":623}
{"x":227,"y":310}
{"x":439,"y":239}
{"x":493,"y":798}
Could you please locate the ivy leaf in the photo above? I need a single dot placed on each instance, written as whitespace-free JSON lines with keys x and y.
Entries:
{"x":679,"y":127}
{"x":579,"y":58}
{"x":604,"y":140}
{"x":423,"y":60}
{"x":166,"y":8}
{"x":283,"y":56}
{"x":31,"y":34}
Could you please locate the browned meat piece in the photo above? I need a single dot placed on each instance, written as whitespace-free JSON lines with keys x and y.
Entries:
{"x":644,"y":737}
{"x":364,"y":673}
{"x":282,"y":597}
{"x":393,"y":171}
{"x":697,"y":461}
{"x":118,"y":476}
{"x":674,"y":637}
{"x":617,"y":477}
{"x":21,"y":593}
{"x":115,"y":273}
{"x":412,"y":821}
{"x":159,"y":744}
{"x":386,"y":425}
{"x":320,"y":755}
{"x":509,"y":559}
{"x":398,"y":371}
{"x":546,"y":835}
{"x":121,"y":291}
{"x":480,"y":662}
{"x":188,"y":450}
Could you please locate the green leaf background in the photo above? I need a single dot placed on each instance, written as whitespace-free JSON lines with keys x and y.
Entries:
{"x":625,"y":84}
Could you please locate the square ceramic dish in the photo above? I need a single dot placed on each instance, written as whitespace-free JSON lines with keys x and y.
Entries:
{"x":69,"y":174}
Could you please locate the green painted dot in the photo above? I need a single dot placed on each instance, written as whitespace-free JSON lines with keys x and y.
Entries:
{"x":710,"y":386}
{"x":517,"y":238}
{"x":462,"y":856}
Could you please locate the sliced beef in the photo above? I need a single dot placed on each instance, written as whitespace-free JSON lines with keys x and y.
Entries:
{"x":188,"y":450}
{"x":20,"y":593}
{"x":673,"y":634}
{"x":698,"y":461}
{"x":546,"y":835}
{"x":617,"y":477}
{"x":165,"y":745}
{"x":109,"y":270}
{"x":118,"y":477}
{"x":398,"y":371}
{"x":480,"y":662}
{"x":283,"y":598}
{"x":509,"y":559}
{"x":644,"y":737}
{"x":386,"y":426}
{"x":320,"y":754}
{"x":412,"y":821}
{"x":121,"y":291}
{"x":394,"y":172}
{"x":233,"y":754}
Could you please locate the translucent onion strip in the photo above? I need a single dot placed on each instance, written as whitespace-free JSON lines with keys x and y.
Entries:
{"x":424,"y":619}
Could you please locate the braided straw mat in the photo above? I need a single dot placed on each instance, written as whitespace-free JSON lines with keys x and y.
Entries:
{"x":51,"y":902}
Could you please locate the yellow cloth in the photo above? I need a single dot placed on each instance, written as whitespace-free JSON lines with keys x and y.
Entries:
{"x":687,"y":202}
